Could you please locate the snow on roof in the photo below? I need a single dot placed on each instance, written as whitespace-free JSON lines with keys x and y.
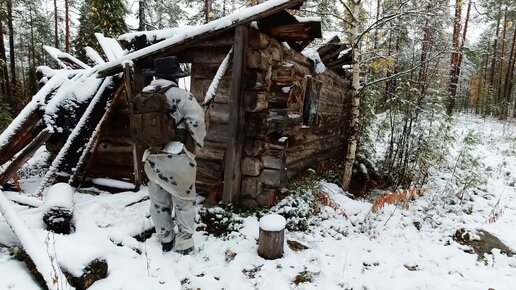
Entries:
{"x":155,"y":35}
{"x":312,"y":54}
{"x":236,"y":18}
{"x":307,"y":19}
{"x":111,"y":47}
{"x":58,"y":55}
{"x":34,"y":104}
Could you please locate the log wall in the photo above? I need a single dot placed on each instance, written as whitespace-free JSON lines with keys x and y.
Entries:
{"x":278,"y":144}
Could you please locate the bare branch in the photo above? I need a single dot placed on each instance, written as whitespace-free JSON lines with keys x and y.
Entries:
{"x":349,"y":11}
{"x":328,"y":14}
{"x":403,"y":72}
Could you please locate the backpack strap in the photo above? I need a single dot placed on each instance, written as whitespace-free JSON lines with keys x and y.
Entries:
{"x":165,"y":89}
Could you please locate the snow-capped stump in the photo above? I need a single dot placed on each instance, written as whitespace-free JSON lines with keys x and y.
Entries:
{"x":58,"y":207}
{"x":272,"y":236}
{"x":96,"y":270}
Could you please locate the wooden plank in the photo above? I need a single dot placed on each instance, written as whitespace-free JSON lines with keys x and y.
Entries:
{"x":235,"y":143}
{"x":188,"y":42}
{"x":24,"y":155}
{"x":297,"y":31}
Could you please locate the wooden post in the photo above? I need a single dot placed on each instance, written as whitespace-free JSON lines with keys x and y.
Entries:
{"x":24,"y":155}
{"x":137,"y":150}
{"x":232,"y":174}
{"x":272,"y":236}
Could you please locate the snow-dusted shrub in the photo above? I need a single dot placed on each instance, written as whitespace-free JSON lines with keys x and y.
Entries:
{"x":219,"y":222}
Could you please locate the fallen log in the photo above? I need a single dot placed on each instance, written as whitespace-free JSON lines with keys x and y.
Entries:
{"x":50,"y":272}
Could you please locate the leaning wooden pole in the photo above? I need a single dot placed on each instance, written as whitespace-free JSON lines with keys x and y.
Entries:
{"x":46,"y":265}
{"x":137,"y":150}
{"x":232,"y":174}
{"x":24,"y":155}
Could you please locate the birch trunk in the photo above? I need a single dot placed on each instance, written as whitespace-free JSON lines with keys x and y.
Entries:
{"x":355,"y":103}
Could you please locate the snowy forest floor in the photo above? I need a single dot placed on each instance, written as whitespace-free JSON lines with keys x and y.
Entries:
{"x":395,"y":248}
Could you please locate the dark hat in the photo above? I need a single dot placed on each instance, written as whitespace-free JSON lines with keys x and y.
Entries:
{"x":168,"y":68}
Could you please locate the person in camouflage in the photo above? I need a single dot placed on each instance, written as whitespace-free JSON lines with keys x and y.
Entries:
{"x":171,"y":170}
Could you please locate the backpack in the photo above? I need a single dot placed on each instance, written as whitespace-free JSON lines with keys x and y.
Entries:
{"x":150,"y":122}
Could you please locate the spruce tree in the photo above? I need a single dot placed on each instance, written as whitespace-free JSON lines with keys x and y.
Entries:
{"x":103,"y":16}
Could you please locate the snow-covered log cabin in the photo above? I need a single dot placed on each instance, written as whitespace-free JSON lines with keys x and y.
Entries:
{"x":275,"y":108}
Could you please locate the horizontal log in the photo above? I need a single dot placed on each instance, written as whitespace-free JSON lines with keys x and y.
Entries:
{"x":303,"y":151}
{"x":259,"y":147}
{"x":219,"y":113}
{"x":199,"y":87}
{"x":311,"y":162}
{"x":211,"y":151}
{"x":217,"y":132}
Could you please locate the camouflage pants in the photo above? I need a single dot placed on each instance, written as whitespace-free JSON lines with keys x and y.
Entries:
{"x":172,"y":190}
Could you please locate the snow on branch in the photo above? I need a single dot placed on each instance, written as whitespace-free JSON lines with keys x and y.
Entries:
{"x":210,"y":94}
{"x":46,"y":266}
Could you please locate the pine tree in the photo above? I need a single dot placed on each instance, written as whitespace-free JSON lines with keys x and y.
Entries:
{"x":102,"y":16}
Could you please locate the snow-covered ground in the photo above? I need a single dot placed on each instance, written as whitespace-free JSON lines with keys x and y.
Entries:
{"x":393,"y":249}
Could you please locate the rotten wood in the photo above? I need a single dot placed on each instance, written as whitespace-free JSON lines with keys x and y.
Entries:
{"x":237,"y":116}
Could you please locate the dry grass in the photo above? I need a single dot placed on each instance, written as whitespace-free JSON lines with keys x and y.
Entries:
{"x":399,"y":197}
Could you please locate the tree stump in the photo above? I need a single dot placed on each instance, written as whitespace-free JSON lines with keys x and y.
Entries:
{"x":58,"y":216}
{"x":272,"y":236}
